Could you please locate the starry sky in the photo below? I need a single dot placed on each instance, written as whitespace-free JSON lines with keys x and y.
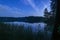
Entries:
{"x":22,"y":8}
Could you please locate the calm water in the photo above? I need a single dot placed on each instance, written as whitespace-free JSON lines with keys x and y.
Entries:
{"x":34,"y":26}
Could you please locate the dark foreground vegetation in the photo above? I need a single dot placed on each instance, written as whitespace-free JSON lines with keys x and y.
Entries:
{"x":11,"y":32}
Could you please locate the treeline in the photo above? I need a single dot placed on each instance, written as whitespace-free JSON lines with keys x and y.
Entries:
{"x":29,"y":19}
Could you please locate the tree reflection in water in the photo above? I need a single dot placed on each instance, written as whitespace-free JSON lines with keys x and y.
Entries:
{"x":36,"y":31}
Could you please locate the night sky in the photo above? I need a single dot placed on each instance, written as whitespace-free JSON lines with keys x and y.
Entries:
{"x":21,"y":8}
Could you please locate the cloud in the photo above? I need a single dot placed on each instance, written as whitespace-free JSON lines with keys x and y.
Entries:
{"x":46,"y":5}
{"x":6,"y":10}
{"x":25,"y":2}
{"x":10,"y":11}
{"x":39,"y":11}
{"x":32,"y":4}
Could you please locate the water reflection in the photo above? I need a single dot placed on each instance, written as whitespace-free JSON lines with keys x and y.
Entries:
{"x":34,"y":26}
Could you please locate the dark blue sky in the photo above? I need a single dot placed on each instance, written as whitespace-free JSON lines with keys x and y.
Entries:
{"x":19,"y":8}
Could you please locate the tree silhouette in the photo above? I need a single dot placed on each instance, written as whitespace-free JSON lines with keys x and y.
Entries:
{"x":46,"y":13}
{"x":47,"y":16}
{"x":54,"y":10}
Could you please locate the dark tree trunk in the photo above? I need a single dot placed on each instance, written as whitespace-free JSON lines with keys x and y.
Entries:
{"x":56,"y":35}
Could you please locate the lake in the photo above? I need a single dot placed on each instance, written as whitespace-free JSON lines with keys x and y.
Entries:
{"x":35,"y":27}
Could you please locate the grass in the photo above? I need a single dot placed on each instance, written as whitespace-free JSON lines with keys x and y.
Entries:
{"x":12,"y":32}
